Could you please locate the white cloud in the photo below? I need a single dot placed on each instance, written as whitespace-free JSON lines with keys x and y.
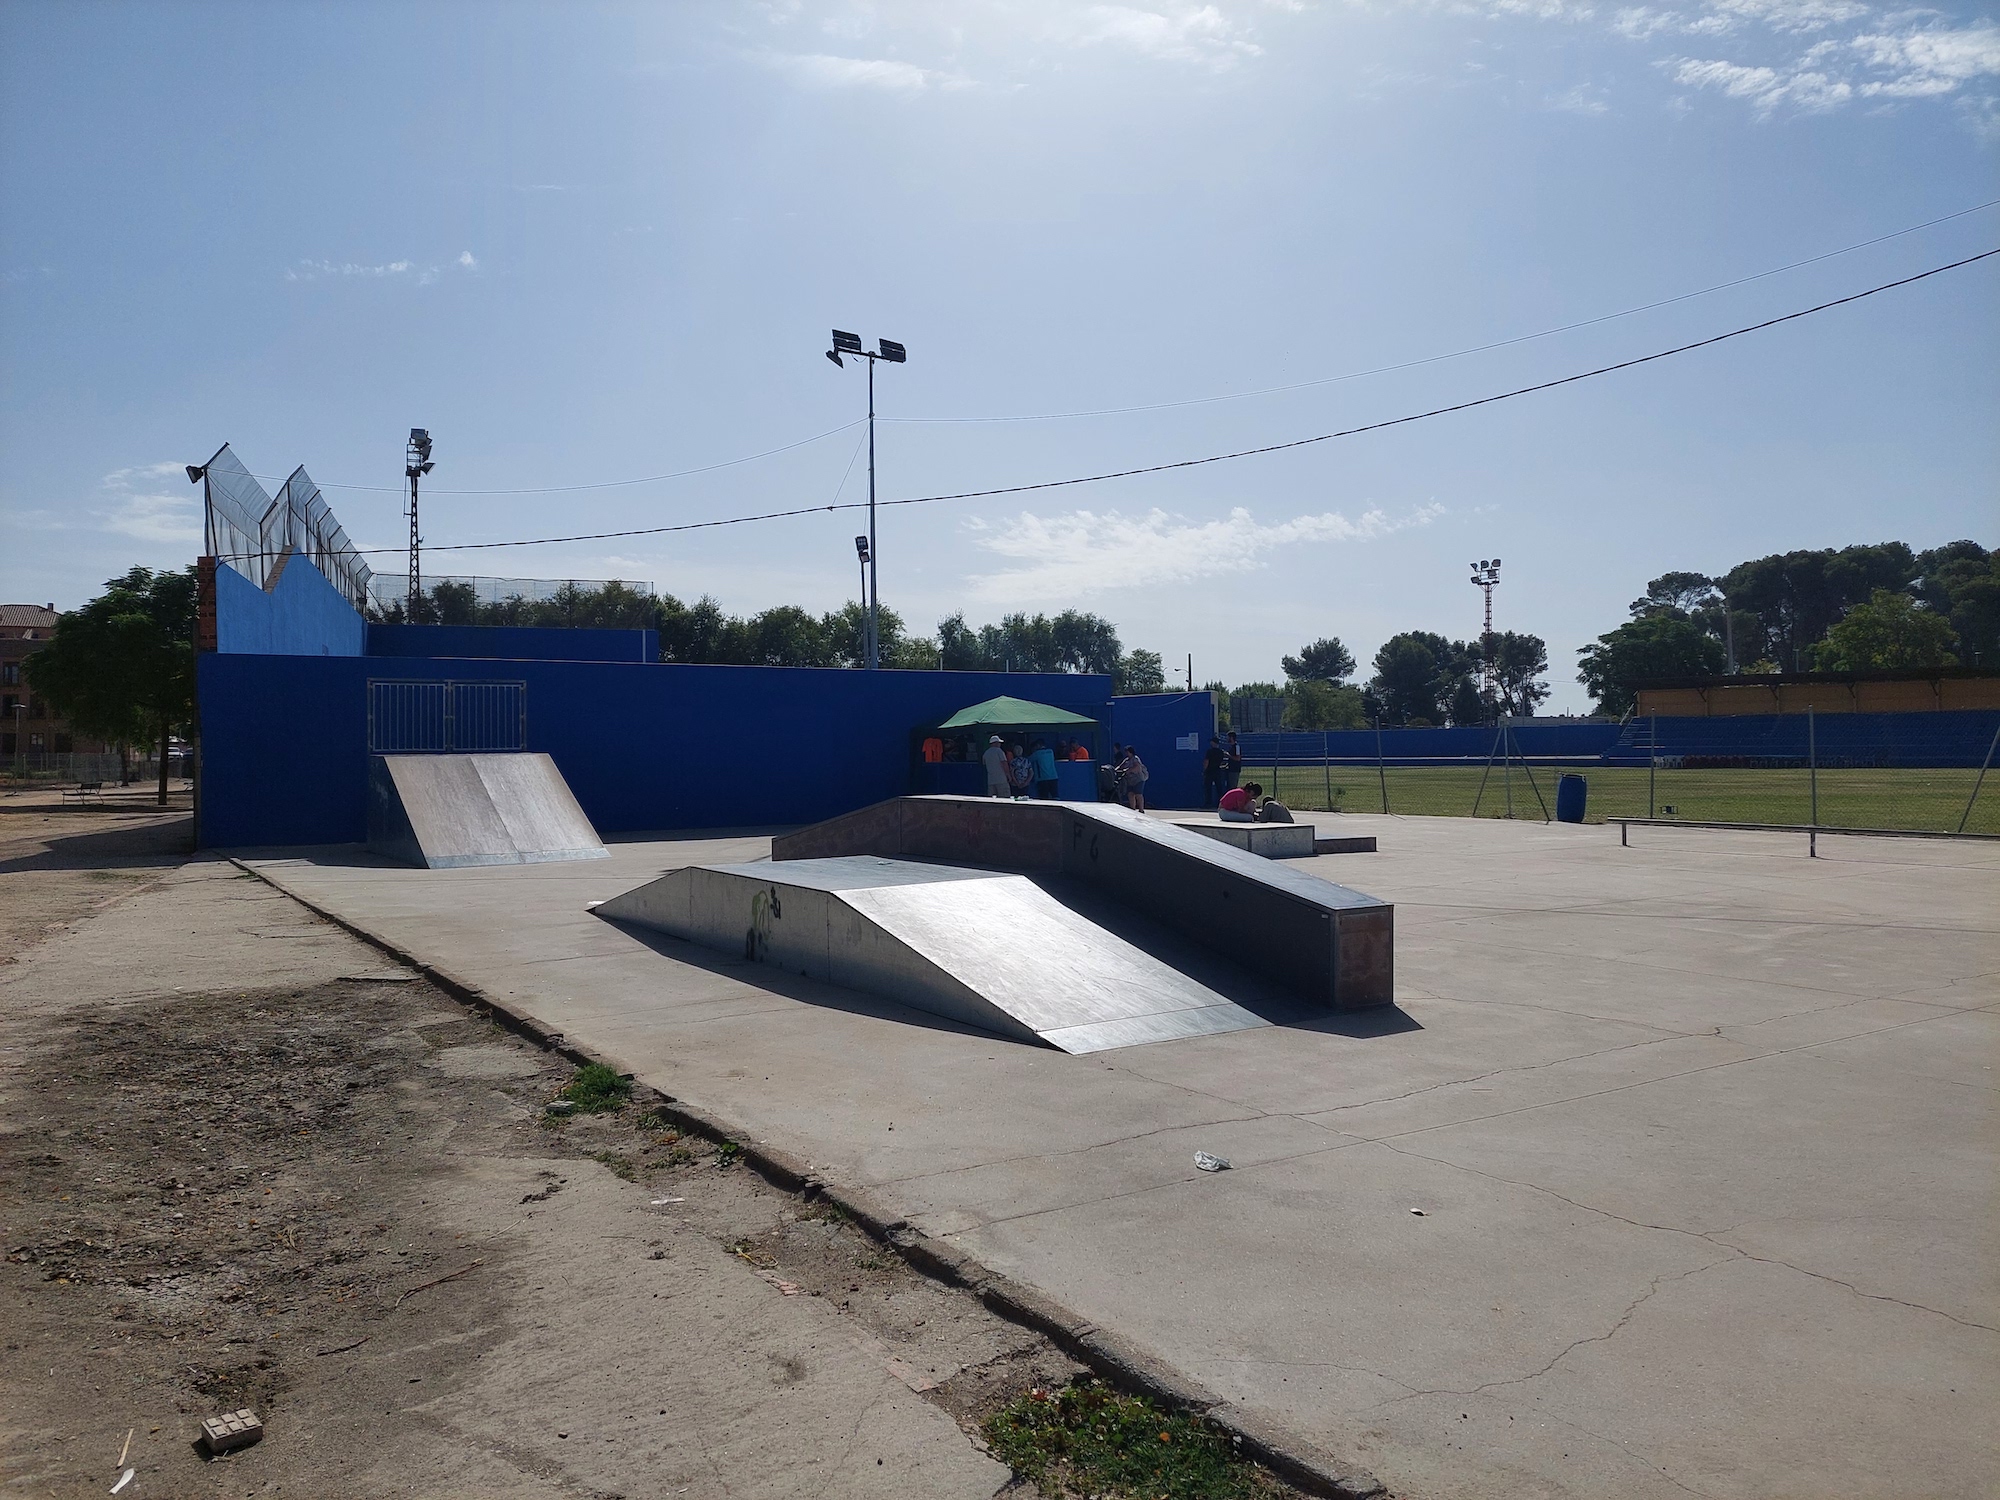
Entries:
{"x":828,"y":71}
{"x":313,"y":270}
{"x":1187,"y":33}
{"x":1072,"y":556}
{"x":1921,"y":63}
{"x":1583,"y":99}
{"x":137,"y":507}
{"x":465,"y":259}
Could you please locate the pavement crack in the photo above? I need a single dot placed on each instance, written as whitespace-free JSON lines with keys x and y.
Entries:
{"x":1771,"y":1260}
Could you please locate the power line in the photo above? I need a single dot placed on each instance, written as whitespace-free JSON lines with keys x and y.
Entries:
{"x":1411,"y":364}
{"x":1217,"y":458}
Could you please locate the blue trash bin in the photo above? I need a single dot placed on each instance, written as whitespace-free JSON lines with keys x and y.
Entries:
{"x":1570,"y":794}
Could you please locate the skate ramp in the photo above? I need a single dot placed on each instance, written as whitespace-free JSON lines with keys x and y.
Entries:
{"x":1327,"y":945}
{"x":445,"y":812}
{"x":984,"y":949}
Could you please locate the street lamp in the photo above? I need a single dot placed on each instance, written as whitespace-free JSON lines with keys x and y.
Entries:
{"x":416,"y":463}
{"x":895,"y":354}
{"x":867,"y":621}
{"x":1486,"y":575}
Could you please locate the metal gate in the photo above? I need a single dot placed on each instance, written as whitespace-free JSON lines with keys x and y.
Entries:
{"x":416,"y":718}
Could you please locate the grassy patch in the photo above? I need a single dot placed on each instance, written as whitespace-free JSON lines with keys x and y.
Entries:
{"x":652,"y":1119}
{"x":1090,"y":1440}
{"x":727,"y":1153}
{"x":597,"y":1089}
{"x":621,"y":1166}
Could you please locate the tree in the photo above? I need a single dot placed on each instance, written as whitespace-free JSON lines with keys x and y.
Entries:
{"x":1318,"y":704}
{"x":1961,"y":581}
{"x":1520,"y":669}
{"x":1655,"y":646}
{"x":1325,"y":660}
{"x":1889,"y":632}
{"x":1798,"y":596}
{"x":1417,"y":676}
{"x":1676,"y":594}
{"x":1139,"y":672}
{"x":122,"y":667}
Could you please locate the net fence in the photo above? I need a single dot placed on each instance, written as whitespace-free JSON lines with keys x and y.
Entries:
{"x":1814,"y":772}
{"x":254,"y":532}
{"x":602,"y":603}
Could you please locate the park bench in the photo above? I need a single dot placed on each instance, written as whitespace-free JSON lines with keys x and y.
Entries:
{"x":85,"y":791}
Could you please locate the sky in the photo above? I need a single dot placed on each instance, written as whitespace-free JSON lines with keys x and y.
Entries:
{"x":584,"y":245}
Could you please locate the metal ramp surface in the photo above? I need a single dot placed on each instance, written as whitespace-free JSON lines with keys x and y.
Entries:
{"x":986,"y":949}
{"x":1330,"y":946}
{"x":449,"y":811}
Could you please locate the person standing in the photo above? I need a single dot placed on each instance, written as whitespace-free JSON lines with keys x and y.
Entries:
{"x":995,"y":761}
{"x":1214,"y":766}
{"x":1132,"y":777}
{"x":1043,"y":760}
{"x":1233,"y":755}
{"x":1020,"y":775}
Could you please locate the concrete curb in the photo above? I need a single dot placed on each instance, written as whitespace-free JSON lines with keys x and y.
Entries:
{"x":1113,"y":1358}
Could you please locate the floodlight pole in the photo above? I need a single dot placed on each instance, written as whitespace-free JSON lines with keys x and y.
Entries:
{"x":874,"y":589}
{"x":416,"y":464}
{"x":889,"y":349}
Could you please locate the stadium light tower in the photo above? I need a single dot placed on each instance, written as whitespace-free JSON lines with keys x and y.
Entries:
{"x":895,"y":354}
{"x":862,"y":552}
{"x":416,"y":464}
{"x":1486,"y":575}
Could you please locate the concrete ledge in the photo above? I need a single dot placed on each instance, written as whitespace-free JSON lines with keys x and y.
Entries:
{"x":1364,"y":844}
{"x":1271,"y":840}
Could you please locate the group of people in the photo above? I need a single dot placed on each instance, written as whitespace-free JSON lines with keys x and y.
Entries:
{"x":1025,"y":770}
{"x":1221,"y":770}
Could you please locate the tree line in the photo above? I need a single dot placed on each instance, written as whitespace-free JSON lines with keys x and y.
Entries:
{"x":1877,"y":607}
{"x":1421,"y":679}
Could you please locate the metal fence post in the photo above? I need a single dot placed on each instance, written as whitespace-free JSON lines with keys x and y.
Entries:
{"x":1381,"y":770}
{"x":1652,"y":765}
{"x":1979,"y":782}
{"x":1326,"y":767}
{"x":1812,"y":771}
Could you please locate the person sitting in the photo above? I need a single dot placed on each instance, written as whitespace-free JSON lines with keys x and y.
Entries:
{"x":1239,"y":804}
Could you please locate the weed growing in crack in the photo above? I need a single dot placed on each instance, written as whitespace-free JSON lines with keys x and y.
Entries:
{"x":1091,"y":1440}
{"x":597,"y":1089}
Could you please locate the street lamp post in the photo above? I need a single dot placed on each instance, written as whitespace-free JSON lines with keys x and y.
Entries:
{"x":895,"y":354}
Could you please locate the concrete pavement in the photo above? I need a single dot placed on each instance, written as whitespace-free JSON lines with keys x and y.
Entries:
{"x":1700,"y":1131}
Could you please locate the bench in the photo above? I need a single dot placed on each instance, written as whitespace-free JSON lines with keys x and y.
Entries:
{"x":85,"y":791}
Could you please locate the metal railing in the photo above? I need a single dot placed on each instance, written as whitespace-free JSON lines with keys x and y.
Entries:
{"x":423,"y":718}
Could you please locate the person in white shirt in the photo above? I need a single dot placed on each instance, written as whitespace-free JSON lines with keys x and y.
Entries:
{"x":995,"y":761}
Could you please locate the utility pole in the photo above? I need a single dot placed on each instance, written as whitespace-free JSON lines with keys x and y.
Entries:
{"x":1486,"y":575}
{"x":895,"y":354}
{"x":416,"y":463}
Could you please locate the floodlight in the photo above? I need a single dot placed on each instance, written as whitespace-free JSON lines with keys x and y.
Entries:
{"x":835,"y":357}
{"x":195,"y":471}
{"x":894,"y":352}
{"x":861,"y":548}
{"x":846,"y":343}
{"x":1496,"y":562}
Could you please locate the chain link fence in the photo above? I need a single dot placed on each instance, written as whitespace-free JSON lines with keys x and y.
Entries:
{"x":1656,"y":772}
{"x":66,"y":768}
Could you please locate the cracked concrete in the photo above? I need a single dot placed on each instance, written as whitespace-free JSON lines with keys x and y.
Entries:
{"x":1701,"y":1132}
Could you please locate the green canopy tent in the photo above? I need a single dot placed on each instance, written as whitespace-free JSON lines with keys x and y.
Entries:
{"x":1016,"y":713}
{"x":1012,"y":719}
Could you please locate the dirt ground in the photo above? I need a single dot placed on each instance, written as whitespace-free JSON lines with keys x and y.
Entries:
{"x":244,"y":1161}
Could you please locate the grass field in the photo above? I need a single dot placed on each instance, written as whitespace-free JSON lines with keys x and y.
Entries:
{"x":1922,"y":800}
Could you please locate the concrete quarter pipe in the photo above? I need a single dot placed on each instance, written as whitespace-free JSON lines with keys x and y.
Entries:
{"x":449,"y":811}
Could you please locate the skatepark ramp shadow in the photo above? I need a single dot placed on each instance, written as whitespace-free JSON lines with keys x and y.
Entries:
{"x":1080,"y":927}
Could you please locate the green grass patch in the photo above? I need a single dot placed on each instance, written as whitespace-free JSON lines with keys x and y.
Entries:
{"x":1090,"y":1440}
{"x":621,"y":1166}
{"x":597,"y":1089}
{"x":727,"y":1153}
{"x":1914,"y":798}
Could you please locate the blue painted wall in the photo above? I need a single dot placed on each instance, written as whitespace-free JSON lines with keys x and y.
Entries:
{"x":644,"y":747}
{"x":1155,"y":723}
{"x":303,"y":615}
{"x":513,"y":643}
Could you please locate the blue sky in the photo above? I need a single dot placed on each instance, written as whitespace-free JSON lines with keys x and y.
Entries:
{"x":585,"y":244}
